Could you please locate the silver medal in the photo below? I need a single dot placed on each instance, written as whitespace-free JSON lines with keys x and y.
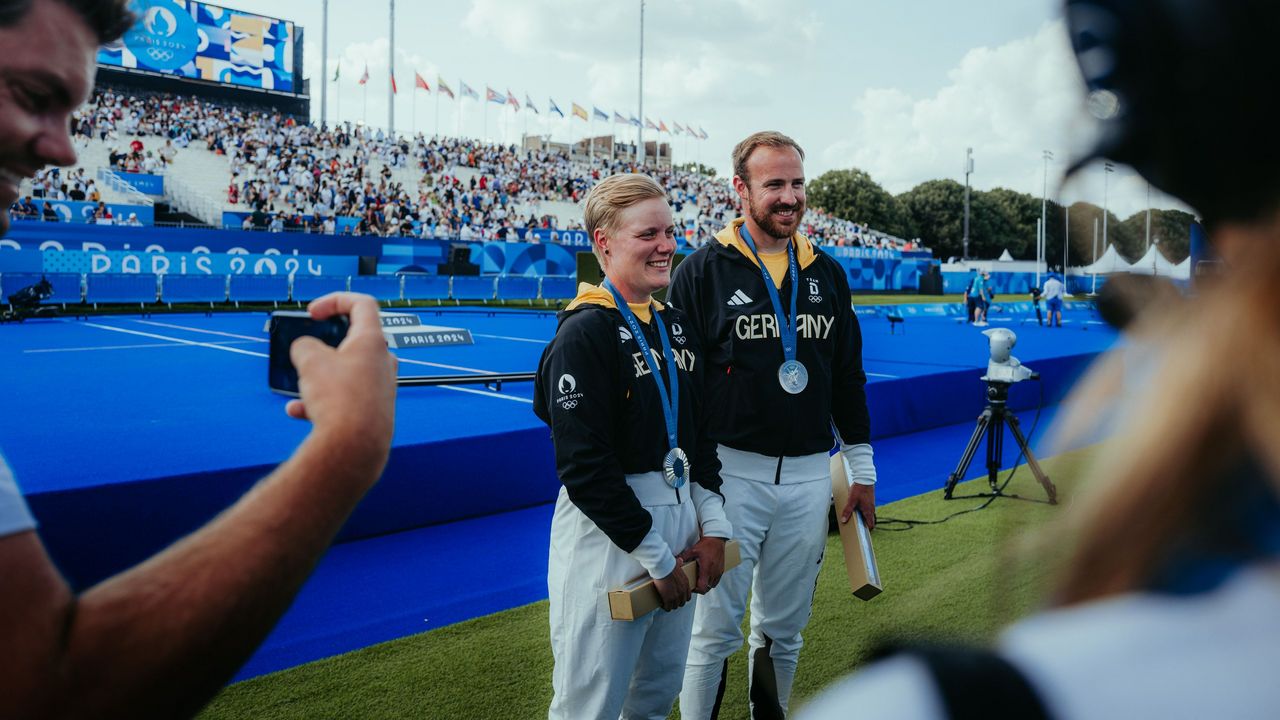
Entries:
{"x":675,"y":468}
{"x":793,"y":377}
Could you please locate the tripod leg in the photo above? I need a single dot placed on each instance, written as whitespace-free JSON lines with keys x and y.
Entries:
{"x":984,"y":421}
{"x":1047,"y":484}
{"x":995,"y":450}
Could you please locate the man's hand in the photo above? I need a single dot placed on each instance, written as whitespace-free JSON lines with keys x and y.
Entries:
{"x":673,"y":589}
{"x":709,"y":554}
{"x":862,"y":498}
{"x":349,"y":392}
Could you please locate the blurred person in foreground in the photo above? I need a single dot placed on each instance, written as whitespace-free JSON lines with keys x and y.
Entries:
{"x":160,"y":639}
{"x":1168,"y":603}
{"x":620,"y":386}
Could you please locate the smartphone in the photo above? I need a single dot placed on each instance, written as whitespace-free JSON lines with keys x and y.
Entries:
{"x":286,"y":326}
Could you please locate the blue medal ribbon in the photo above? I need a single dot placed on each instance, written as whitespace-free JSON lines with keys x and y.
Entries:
{"x":670,"y":403}
{"x":786,"y":326}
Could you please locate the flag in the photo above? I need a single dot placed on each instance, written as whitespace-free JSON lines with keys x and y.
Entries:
{"x":467,"y":92}
{"x":365,"y":77}
{"x":393,"y":83}
{"x":443,"y":87}
{"x":702,"y":134}
{"x":635,"y":121}
{"x":675,"y":127}
{"x":337,"y":70}
{"x":418,"y":82}
{"x":529,"y":104}
{"x":579,"y":111}
{"x":494,"y":96}
{"x":512,"y":101}
{"x":649,"y":124}
{"x":555,"y":108}
{"x":598,"y":113}
{"x":617,"y":117}
{"x":662,"y":127}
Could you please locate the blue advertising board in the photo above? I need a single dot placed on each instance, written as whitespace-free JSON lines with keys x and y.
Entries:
{"x":145,"y":183}
{"x":81,"y":212}
{"x":161,"y":263}
{"x":576,"y":238}
{"x":98,"y":238}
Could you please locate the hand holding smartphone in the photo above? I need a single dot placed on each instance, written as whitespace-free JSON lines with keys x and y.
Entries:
{"x":287,"y":326}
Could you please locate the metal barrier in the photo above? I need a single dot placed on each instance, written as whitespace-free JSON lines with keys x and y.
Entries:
{"x":117,"y":183}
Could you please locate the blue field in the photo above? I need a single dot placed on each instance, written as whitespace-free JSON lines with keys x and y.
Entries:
{"x":128,"y":432}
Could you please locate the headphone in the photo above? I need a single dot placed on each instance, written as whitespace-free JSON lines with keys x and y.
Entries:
{"x":1181,"y":91}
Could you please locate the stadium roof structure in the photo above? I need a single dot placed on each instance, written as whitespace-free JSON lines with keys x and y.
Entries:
{"x":1155,"y":263}
{"x":1110,"y":262}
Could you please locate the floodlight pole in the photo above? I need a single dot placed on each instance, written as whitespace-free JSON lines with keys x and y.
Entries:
{"x":1043,"y":255}
{"x":324,"y":64}
{"x":1107,"y":169}
{"x":640,"y":93}
{"x":968,"y":168}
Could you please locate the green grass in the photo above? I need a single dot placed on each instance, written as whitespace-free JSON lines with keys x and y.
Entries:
{"x":955,"y":581}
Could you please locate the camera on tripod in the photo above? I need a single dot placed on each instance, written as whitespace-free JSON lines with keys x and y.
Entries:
{"x":1003,"y":370}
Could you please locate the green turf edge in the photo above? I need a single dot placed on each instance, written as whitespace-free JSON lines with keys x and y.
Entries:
{"x":957,"y":581}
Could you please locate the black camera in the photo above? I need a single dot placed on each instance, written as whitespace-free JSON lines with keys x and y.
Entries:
{"x":288,"y":325}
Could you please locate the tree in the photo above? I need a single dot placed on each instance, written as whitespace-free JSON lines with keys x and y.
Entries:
{"x":854,"y":196}
{"x":935,"y":213}
{"x":1015,"y":227}
{"x":1171,"y":227}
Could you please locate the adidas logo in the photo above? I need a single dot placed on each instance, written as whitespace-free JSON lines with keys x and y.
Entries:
{"x":739,"y":298}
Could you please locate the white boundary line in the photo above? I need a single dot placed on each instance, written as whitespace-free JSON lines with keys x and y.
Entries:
{"x":121,"y":347}
{"x":199,"y":330}
{"x":883,"y":375}
{"x":508,"y":337}
{"x":486,"y":393}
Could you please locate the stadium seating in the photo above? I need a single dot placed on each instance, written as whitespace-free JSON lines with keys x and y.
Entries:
{"x":67,"y":287}
{"x":258,"y":288}
{"x":306,"y":288}
{"x":118,"y":288}
{"x":193,"y":288}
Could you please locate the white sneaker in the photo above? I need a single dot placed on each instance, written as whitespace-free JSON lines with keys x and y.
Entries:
{"x":980,"y":323}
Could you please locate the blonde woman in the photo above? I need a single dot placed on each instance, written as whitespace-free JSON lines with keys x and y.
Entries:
{"x":620,"y":388}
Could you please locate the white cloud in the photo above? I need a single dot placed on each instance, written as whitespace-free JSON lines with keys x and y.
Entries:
{"x":1008,"y":103}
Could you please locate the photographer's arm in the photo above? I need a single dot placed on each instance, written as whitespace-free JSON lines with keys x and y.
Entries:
{"x":162,"y":638}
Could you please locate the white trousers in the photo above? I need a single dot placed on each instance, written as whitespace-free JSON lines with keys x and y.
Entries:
{"x":779,"y":518}
{"x":607,"y":668}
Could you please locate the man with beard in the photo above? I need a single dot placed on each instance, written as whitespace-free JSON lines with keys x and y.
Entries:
{"x":785,"y":385}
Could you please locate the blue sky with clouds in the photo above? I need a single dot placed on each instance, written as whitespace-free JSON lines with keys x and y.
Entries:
{"x":897,"y":88}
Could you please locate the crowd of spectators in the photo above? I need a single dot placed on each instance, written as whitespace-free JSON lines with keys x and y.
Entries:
{"x":289,"y":175}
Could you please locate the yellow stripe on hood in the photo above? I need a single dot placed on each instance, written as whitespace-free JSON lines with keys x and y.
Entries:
{"x":729,"y":237}
{"x":589,"y":294}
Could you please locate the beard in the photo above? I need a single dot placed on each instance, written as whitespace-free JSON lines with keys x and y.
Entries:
{"x":764,"y":218}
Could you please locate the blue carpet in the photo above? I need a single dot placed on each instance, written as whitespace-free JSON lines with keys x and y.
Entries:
{"x":126,"y":433}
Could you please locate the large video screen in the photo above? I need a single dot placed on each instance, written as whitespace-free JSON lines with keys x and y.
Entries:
{"x":206,"y":42}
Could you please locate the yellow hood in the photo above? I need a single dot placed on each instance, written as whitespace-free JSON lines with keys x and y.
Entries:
{"x":589,"y":294}
{"x":730,"y":237}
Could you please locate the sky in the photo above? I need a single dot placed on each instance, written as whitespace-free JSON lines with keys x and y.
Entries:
{"x":898,"y":88}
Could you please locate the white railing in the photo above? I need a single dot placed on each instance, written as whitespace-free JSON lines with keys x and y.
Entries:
{"x":187,"y":199}
{"x":117,"y":183}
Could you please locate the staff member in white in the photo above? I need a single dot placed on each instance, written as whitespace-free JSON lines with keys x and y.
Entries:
{"x":620,"y":386}
{"x":784,"y":366}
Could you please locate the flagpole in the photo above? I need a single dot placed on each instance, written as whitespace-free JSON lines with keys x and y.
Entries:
{"x":437,"y":107}
{"x":324,"y":64}
{"x":640,"y":130}
{"x":391,"y":64}
{"x":457,"y":116}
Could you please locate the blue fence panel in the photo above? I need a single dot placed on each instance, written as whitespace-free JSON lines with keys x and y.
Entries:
{"x":559,"y":287}
{"x":517,"y":288}
{"x":112,"y":288}
{"x":259,"y":288}
{"x":66,"y":286}
{"x":472,"y":288}
{"x":383,"y":287}
{"x":193,"y":288}
{"x":426,"y":287}
{"x":306,"y":288}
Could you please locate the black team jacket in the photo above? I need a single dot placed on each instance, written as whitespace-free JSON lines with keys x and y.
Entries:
{"x":594,"y":390}
{"x":721,"y":291}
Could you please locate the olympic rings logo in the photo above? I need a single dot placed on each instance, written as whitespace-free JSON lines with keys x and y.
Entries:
{"x":569,"y":404}
{"x":815,"y":299}
{"x":160,"y":54}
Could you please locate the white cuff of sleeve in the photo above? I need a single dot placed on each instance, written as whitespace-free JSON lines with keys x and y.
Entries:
{"x":655,"y":555}
{"x":862,"y":466}
{"x":711,"y":515}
